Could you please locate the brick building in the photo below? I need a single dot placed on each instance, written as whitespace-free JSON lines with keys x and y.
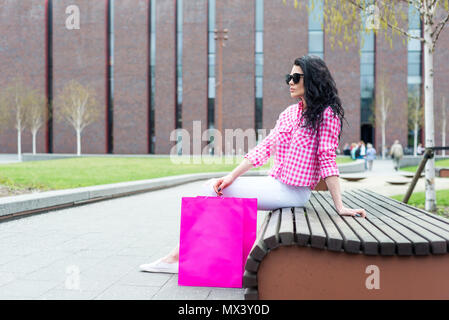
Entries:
{"x":154,"y":67}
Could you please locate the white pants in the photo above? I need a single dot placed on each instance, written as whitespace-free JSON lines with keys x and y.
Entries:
{"x":270,"y":192}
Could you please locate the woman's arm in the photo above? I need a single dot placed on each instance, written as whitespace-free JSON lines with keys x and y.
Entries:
{"x":260,"y":154}
{"x":333,"y":184}
{"x":328,"y":143}
{"x":256,"y":157}
{"x":244,"y":166}
{"x":224,"y":182}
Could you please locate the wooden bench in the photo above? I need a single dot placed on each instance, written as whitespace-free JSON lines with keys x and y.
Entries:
{"x":442,"y":172}
{"x":397,"y":252}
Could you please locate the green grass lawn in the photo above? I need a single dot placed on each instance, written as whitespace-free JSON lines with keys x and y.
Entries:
{"x":418,"y":200}
{"x":89,"y":171}
{"x":344,"y":159}
{"x":439,"y":163}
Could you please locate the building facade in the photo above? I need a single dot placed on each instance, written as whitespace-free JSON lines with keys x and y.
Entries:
{"x":156,"y":69}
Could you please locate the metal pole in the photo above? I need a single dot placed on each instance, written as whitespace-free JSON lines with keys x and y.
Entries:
{"x":219,"y":85}
{"x":218,"y":142}
{"x":427,"y":155}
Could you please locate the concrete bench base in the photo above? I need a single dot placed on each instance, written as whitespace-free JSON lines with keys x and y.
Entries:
{"x":295,"y":272}
{"x":443,"y":172}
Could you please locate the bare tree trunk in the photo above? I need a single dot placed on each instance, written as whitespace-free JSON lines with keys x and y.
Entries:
{"x":78,"y":142}
{"x":443,"y":129}
{"x":384,"y":121}
{"x":415,"y":138}
{"x":429,"y":117}
{"x":34,"y":142}
{"x":383,"y":140}
{"x":443,"y":140}
{"x":19,"y":144}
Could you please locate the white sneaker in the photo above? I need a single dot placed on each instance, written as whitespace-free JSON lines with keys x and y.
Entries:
{"x":160,"y":266}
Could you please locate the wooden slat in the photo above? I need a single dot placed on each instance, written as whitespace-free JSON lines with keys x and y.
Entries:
{"x":334,"y":240}
{"x":437,"y":237}
{"x":286,"y":229}
{"x":374,"y":241}
{"x":403,"y":246}
{"x":351,"y":242}
{"x":303,"y":234}
{"x":271,"y":237}
{"x":251,"y":294}
{"x":317,"y":233}
{"x":434,"y":243}
{"x":420,"y":244}
{"x":249,"y":279}
{"x":434,"y":219}
{"x":259,"y":249}
{"x":360,"y":239}
{"x":442,"y":222}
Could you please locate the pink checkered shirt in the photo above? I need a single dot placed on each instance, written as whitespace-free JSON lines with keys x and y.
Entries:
{"x":301,"y":156}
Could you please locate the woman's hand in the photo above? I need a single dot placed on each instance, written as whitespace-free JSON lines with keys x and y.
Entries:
{"x":222,"y":183}
{"x":352,"y":212}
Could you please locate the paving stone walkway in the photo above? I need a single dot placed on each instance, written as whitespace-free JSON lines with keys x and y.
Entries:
{"x":94,"y":251}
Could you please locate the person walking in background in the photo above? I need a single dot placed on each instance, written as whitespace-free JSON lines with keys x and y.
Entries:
{"x":363,"y":152}
{"x":353,"y":150}
{"x":370,"y":156}
{"x":360,"y":150}
{"x":396,"y":152}
{"x":347,"y":150}
{"x":420,"y":149}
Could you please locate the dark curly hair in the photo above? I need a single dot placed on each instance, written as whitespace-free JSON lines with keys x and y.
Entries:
{"x":320,"y":92}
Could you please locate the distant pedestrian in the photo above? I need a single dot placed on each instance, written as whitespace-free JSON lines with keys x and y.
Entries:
{"x":396,"y":152}
{"x":353,"y":150}
{"x":362,"y":155}
{"x":347,"y":150}
{"x":420,"y":149}
{"x":370,"y":156}
{"x":360,"y":150}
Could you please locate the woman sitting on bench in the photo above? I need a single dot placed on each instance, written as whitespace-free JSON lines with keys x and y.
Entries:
{"x":304,"y":141}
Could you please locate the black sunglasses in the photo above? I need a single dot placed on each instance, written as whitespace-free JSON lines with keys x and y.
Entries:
{"x":296,"y":77}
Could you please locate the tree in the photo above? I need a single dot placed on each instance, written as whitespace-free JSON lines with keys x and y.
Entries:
{"x":36,"y":113}
{"x":345,"y":15}
{"x":382,"y":108}
{"x":415,"y":116}
{"x":3,"y":112}
{"x":443,"y":120}
{"x":14,"y":103}
{"x":77,"y":105}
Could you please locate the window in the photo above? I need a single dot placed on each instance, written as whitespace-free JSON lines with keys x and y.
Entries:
{"x":259,"y":64}
{"x":152,"y":35}
{"x":316,"y":34}
{"x":179,"y":22}
{"x":367,"y":74}
{"x":49,"y":72}
{"x":110,"y":75}
{"x":211,"y":73}
{"x":414,"y":76}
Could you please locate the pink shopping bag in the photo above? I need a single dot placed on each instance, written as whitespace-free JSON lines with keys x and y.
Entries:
{"x":217,"y":234}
